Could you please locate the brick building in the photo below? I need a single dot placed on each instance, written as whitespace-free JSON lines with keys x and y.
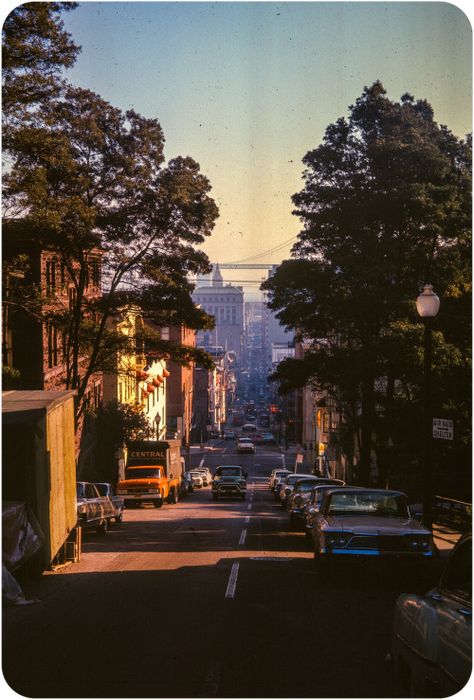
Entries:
{"x":32,"y":343}
{"x":180,"y":392}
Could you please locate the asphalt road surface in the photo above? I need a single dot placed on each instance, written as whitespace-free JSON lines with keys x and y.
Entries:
{"x":204,"y":599}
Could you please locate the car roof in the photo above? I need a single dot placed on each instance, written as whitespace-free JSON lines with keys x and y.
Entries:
{"x":375,"y":490}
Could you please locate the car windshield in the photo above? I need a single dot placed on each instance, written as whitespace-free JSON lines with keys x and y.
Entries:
{"x":368,"y":503}
{"x":318,"y":494}
{"x":103,"y":489}
{"x":305,"y":485}
{"x":247,"y":440}
{"x":293,"y":478}
{"x":142,"y":473}
{"x":229,"y":471}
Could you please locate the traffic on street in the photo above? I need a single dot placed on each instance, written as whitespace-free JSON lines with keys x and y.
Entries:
{"x":209,"y":598}
{"x":236,"y":350}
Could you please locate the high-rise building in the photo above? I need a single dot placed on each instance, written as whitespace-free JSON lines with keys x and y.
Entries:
{"x":226,"y":303}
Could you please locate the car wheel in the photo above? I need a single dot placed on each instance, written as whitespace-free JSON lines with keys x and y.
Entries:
{"x":102,"y":527}
{"x":175,"y":497}
{"x":158,"y":503}
{"x":119,"y":518}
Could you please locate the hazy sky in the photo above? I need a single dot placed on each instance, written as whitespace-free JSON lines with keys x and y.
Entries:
{"x":248,"y":88}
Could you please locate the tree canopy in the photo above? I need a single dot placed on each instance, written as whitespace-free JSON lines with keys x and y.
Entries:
{"x":385,"y":207}
{"x":35,"y":48}
{"x":90,"y":182}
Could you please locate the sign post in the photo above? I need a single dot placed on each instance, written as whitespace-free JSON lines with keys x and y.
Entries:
{"x":443,"y":429}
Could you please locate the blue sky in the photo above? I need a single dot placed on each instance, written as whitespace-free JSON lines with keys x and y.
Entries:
{"x":248,"y":88}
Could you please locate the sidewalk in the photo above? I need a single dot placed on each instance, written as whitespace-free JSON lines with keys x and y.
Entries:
{"x":445,"y":539}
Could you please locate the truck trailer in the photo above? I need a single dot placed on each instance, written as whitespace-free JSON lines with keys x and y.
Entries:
{"x":153,"y":473}
{"x":39,"y":469}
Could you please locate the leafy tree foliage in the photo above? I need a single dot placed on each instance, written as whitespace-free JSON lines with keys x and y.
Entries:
{"x":89,"y":181}
{"x":35,"y":48}
{"x":385,"y":207}
{"x":115,"y":425}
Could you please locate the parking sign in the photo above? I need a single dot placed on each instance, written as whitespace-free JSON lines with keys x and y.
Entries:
{"x":443,"y":428}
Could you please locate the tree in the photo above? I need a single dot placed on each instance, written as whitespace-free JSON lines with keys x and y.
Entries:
{"x":89,"y":181}
{"x":92,"y":182}
{"x":116,"y":425}
{"x":385,"y":206}
{"x":35,"y":48}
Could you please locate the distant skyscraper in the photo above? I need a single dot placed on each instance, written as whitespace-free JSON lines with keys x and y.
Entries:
{"x":226,"y":304}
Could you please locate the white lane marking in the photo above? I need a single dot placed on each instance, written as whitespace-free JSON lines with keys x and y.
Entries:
{"x":243,"y":535}
{"x":249,"y":507}
{"x":283,"y":460}
{"x":230,"y":592}
{"x":202,"y":461}
{"x":247,"y":518}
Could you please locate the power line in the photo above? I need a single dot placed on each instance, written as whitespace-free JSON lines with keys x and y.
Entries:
{"x":266,"y":252}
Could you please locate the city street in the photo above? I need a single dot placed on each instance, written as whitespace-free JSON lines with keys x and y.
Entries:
{"x":203,"y":599}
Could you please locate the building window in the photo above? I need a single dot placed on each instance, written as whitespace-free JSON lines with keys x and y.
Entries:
{"x":52,"y":346}
{"x":72,"y":297}
{"x":63,"y":276}
{"x":50,"y":274}
{"x":95,"y":273}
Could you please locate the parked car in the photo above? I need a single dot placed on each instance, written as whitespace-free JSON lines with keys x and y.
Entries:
{"x":312,"y":505}
{"x":277,"y":483}
{"x":301,"y":492}
{"x":229,"y":480}
{"x":106,"y":489}
{"x":206,"y":475}
{"x":432,"y":634}
{"x":230,"y":435}
{"x":287,"y":486}
{"x":245,"y":445}
{"x":188,"y":481}
{"x":268,"y":439}
{"x":249,"y":428}
{"x":93,"y":510}
{"x":196,"y":479}
{"x":366,"y":523}
{"x":214,"y":435}
{"x":275,"y":473}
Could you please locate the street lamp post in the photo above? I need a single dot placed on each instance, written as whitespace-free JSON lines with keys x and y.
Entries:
{"x":427,"y":305}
